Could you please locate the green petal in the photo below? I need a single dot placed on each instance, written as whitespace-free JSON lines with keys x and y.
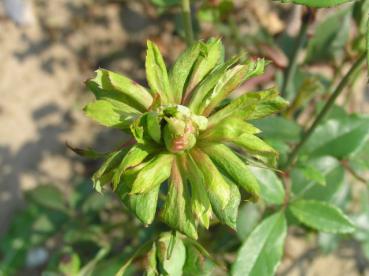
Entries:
{"x":181,"y":71}
{"x":118,"y":89}
{"x":198,"y":102}
{"x":154,"y":173}
{"x":254,"y":144}
{"x":234,"y":168}
{"x":232,"y":79}
{"x":218,"y":189}
{"x":134,"y":157}
{"x":250,"y":106}
{"x":177,"y":210}
{"x":228,"y":129}
{"x":211,"y":54}
{"x":200,"y":203}
{"x":153,"y":126}
{"x":228,"y":214}
{"x":147,"y":129}
{"x":156,"y":73}
{"x":106,"y":171}
{"x":106,"y":114}
{"x":142,"y":205}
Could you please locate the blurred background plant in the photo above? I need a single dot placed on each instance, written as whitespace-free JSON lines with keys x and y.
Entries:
{"x":68,"y":229}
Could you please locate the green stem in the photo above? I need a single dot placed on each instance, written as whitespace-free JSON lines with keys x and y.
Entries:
{"x":347,"y":78}
{"x":187,"y":21}
{"x":292,"y":65}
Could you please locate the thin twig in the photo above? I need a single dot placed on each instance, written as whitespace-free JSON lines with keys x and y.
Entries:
{"x":292,"y":65}
{"x":187,"y":21}
{"x":347,"y":166}
{"x":352,"y":72}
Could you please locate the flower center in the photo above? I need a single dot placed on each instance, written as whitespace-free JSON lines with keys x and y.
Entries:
{"x":181,"y":127}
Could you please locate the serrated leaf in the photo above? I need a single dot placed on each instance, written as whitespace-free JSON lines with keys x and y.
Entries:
{"x":177,"y":211}
{"x":333,"y":173}
{"x":232,"y":79}
{"x":271,"y":188}
{"x":181,"y":71}
{"x":250,"y":106}
{"x":318,"y":3}
{"x":234,"y":168}
{"x":261,"y":253}
{"x":157,"y":75}
{"x":279,"y":128}
{"x":218,"y":189}
{"x":330,"y":38}
{"x":154,"y":173}
{"x":119,"y":90}
{"x":106,"y":114}
{"x":338,"y":137}
{"x":321,"y":216}
{"x":312,"y":173}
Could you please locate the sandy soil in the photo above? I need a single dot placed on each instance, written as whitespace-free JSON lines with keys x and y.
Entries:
{"x":42,"y":70}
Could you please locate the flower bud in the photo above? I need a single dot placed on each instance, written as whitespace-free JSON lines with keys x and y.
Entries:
{"x":181,"y":129}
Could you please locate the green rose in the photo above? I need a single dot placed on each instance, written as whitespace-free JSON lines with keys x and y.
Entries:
{"x":185,"y":135}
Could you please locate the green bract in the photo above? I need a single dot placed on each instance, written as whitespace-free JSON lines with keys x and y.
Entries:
{"x":188,"y":143}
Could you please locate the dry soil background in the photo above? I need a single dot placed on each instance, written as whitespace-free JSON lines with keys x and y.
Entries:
{"x":42,"y":69}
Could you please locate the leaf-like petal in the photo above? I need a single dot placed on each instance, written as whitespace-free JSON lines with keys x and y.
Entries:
{"x":234,"y":167}
{"x":157,"y":74}
{"x":177,"y":211}
{"x":142,"y":205}
{"x":154,"y":173}
{"x":217,"y":187}
{"x":211,"y":53}
{"x":250,"y":106}
{"x":200,"y":203}
{"x":107,"y":114}
{"x":118,"y":89}
{"x":232,"y":79}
